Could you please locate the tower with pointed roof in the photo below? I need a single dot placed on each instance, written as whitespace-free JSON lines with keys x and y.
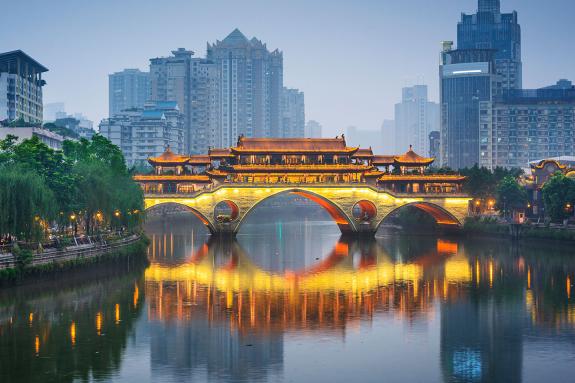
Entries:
{"x":251,"y":82}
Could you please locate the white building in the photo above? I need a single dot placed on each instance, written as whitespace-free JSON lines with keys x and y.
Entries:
{"x":51,"y":139}
{"x":415,"y":118}
{"x":293,"y":113}
{"x":127,"y":89}
{"x":143,"y":133}
{"x":21,"y":87}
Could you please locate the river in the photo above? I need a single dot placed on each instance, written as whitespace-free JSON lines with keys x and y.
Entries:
{"x":291,"y":301}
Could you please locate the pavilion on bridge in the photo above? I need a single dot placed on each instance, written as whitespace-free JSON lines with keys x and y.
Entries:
{"x":295,"y":161}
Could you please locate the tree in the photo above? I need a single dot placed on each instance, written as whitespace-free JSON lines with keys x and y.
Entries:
{"x":27,"y":204}
{"x":510,"y":195}
{"x":558,"y":195}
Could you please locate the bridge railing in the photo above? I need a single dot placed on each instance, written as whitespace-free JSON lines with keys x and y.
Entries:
{"x":304,"y":185}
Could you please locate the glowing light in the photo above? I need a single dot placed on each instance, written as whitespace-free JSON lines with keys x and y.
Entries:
{"x":117,"y":313}
{"x":37,"y":345}
{"x":117,"y":213}
{"x":73,"y":333}
{"x":99,"y":323}
{"x":490,"y":273}
{"x":470,"y":71}
{"x":72,"y":217}
{"x":528,"y":278}
{"x":568,"y":287}
{"x":136,"y":295}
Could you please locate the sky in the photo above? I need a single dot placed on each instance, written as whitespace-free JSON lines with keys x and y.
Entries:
{"x":350,"y":58}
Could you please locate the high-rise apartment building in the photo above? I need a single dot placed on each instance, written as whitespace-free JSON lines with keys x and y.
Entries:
{"x":147,"y":132}
{"x":21,"y":87}
{"x":313,"y":129}
{"x":127,"y":89}
{"x":251,"y":82}
{"x":293,"y":113}
{"x":491,"y":29}
{"x":53,"y":110}
{"x":194,"y":83}
{"x":486,"y":63}
{"x":467,"y":78}
{"x":415,"y":118}
{"x":526,"y":125}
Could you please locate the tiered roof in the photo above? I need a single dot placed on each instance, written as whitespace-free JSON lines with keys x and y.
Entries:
{"x":410,"y":158}
{"x":168,"y":158}
{"x":292,"y":145}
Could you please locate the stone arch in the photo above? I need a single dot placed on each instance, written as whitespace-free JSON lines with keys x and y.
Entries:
{"x":195,"y":212}
{"x":439,"y":213}
{"x":343,"y":221}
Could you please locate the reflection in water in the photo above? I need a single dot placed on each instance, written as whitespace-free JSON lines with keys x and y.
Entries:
{"x":55,"y":333}
{"x":288,"y":301}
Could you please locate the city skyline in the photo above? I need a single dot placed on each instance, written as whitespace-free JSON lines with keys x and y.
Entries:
{"x":363,"y":98}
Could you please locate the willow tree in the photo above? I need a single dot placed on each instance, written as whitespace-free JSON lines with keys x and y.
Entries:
{"x":27,"y":204}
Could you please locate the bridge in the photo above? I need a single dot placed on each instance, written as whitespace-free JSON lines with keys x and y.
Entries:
{"x":358,"y":189}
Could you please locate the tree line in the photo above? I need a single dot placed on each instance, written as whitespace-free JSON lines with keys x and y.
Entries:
{"x":85,"y":185}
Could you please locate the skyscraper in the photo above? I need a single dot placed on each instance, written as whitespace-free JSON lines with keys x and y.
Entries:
{"x":21,"y":87}
{"x":486,"y":63}
{"x":251,"y":82}
{"x":466,"y":86}
{"x":491,"y":29}
{"x":293,"y":113}
{"x":415,"y":118}
{"x":127,"y":89}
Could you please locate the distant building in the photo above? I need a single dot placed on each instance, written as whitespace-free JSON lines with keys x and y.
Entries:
{"x":147,"y":132}
{"x":313,"y":129}
{"x":466,"y":86}
{"x":388,"y":137}
{"x":434,"y":144}
{"x":486,"y":63}
{"x":293,"y":113}
{"x":127,"y":89}
{"x":364,"y":138}
{"x":21,"y":87}
{"x":415,"y":118}
{"x":491,"y":29}
{"x":194,"y":83}
{"x":251,"y":82}
{"x":77,"y":124}
{"x":51,"y":139}
{"x":529,"y":125}
{"x":53,"y":109}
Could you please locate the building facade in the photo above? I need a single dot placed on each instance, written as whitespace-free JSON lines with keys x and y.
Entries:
{"x":529,"y":125}
{"x":491,"y":29}
{"x":293,"y":113}
{"x":251,"y":82}
{"x":51,"y":139}
{"x":146,"y":132}
{"x":313,"y":129}
{"x":486,"y":63}
{"x":466,"y":86}
{"x":21,"y":87}
{"x":127,"y":89}
{"x":415,"y":118}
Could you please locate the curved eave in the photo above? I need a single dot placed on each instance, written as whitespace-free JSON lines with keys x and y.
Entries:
{"x":426,"y":162}
{"x":156,"y":162}
{"x":293,"y":151}
{"x":169,"y":177}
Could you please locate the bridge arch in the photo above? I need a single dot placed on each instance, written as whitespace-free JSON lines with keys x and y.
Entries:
{"x":343,"y":221}
{"x":440,"y":214}
{"x":195,"y":212}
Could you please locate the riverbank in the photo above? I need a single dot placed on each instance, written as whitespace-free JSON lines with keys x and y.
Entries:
{"x":490,"y":227}
{"x":14,"y":269}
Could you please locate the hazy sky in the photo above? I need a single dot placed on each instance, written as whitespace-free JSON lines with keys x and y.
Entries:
{"x":351,"y":58}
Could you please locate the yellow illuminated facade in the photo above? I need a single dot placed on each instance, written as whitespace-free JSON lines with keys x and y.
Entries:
{"x":346,"y":181}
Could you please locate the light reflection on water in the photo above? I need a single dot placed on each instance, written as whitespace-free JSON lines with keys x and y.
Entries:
{"x":292,"y":301}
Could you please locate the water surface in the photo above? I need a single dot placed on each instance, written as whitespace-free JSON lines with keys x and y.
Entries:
{"x":291,"y":301}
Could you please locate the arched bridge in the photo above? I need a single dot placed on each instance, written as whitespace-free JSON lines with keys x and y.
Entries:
{"x":356,"y":209}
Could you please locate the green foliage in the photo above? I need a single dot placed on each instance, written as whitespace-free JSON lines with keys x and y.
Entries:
{"x":481,"y":183}
{"x":60,"y":129}
{"x":558,"y":193}
{"x":26,"y":201}
{"x":88,"y":180}
{"x":510,"y":195}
